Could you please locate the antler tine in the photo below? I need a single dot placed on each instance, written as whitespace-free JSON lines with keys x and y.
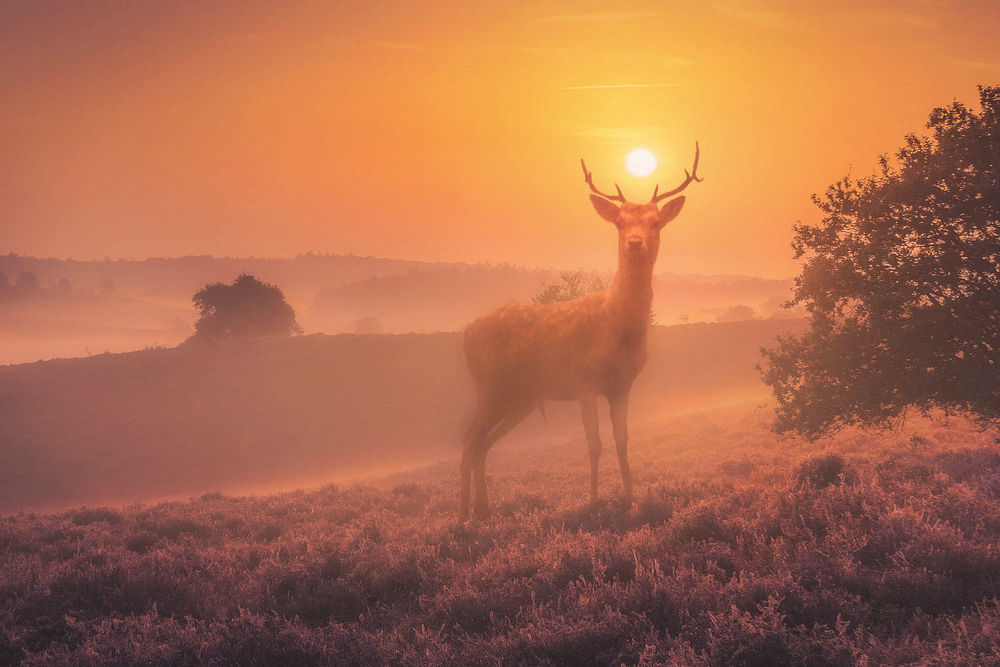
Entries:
{"x":589,"y":178}
{"x":689,"y":177}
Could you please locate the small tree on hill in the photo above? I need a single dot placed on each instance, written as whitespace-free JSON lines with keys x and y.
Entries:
{"x":902,"y":285}
{"x":739,"y":313}
{"x":247,"y":308}
{"x":368,"y":325}
{"x":572,"y":285}
{"x":27,"y":281}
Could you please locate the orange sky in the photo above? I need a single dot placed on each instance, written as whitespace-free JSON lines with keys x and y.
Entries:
{"x":452,"y":130}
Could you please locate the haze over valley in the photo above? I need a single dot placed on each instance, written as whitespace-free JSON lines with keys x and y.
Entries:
{"x":82,"y":308}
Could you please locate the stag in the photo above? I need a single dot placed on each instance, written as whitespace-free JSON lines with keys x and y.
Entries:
{"x":523,"y":354}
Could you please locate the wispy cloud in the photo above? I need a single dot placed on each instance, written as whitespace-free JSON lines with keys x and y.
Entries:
{"x":614,"y":134}
{"x":977,"y":64}
{"x":786,"y":14}
{"x":754,"y":12}
{"x":665,"y":59}
{"x":405,"y":46}
{"x":891,"y":16}
{"x":627,"y":85}
{"x":610,"y":56}
{"x":661,"y":58}
{"x":243,"y":37}
{"x":599,"y":17}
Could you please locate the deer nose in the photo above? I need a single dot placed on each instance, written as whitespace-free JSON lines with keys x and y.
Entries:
{"x":634,"y":243}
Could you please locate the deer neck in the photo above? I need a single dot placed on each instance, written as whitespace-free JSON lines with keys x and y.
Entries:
{"x":631,"y":294}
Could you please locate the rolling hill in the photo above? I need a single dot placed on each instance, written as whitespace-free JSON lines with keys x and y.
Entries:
{"x":274,"y":413}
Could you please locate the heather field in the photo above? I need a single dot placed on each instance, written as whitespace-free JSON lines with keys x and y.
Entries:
{"x":741,"y":549}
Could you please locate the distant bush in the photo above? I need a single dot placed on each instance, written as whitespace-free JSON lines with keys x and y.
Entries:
{"x":742,"y":468}
{"x":87,"y":516}
{"x":368,"y":325}
{"x":141,"y":542}
{"x":27,"y":281}
{"x":247,"y":308}
{"x":573,"y":285}
{"x":736,"y":314}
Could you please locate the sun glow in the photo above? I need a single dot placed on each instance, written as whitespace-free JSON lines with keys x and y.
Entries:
{"x":640,"y":162}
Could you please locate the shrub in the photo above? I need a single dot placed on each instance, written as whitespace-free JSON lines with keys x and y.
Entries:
{"x":821,"y":471}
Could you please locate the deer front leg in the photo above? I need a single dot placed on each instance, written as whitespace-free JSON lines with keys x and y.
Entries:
{"x":588,"y":408}
{"x":619,"y":425}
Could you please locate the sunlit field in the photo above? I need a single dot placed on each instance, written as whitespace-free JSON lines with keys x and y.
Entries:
{"x":741,"y":549}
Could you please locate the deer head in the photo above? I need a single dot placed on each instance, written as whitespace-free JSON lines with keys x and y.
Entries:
{"x":639,"y":225}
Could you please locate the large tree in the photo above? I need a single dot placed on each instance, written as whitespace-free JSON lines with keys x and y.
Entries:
{"x":246,"y":308}
{"x":901,"y":280}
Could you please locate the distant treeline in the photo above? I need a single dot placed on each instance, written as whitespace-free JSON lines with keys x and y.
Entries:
{"x":177,"y":278}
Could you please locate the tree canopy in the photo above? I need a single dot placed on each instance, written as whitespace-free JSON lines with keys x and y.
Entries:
{"x":901,"y":281}
{"x":247,"y":308}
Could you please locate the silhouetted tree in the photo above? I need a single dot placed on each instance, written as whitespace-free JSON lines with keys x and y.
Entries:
{"x":368,"y":325}
{"x":738,"y":313}
{"x":902,"y":285}
{"x":244,"y":309}
{"x":572,"y":285}
{"x":27,"y":281}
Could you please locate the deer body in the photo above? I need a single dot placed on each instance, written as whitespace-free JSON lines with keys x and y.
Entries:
{"x":523,"y":354}
{"x":562,"y":351}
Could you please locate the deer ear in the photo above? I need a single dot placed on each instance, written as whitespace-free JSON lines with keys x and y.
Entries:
{"x":604,"y":208}
{"x":670,"y":210}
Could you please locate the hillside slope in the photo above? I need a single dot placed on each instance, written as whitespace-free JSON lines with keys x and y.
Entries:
{"x":267,"y":414}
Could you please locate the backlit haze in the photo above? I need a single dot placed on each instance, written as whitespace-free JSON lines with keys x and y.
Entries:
{"x":453,"y":130}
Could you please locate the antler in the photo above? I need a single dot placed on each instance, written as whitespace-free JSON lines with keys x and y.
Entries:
{"x":587,"y":176}
{"x":692,"y":176}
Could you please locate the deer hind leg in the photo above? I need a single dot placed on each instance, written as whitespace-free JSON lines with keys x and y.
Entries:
{"x":588,"y":409}
{"x":470,"y":442}
{"x":481,"y":448}
{"x":619,"y":423}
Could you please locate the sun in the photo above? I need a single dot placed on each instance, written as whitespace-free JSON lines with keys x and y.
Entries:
{"x":640,"y":162}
